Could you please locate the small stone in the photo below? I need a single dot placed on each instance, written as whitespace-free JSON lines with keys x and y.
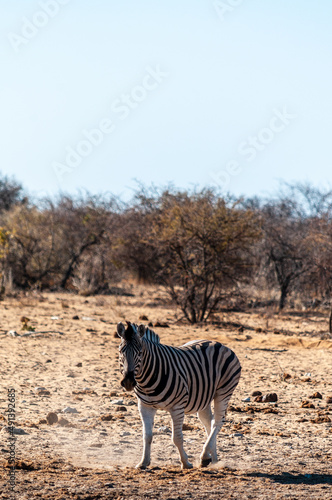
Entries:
{"x":116,"y":402}
{"x":316,"y":395}
{"x":143,"y":317}
{"x":120,"y":408}
{"x":106,"y":418}
{"x":15,"y":430}
{"x":234,"y":408}
{"x":63,"y":422}
{"x":68,"y":409}
{"x":329,"y":400}
{"x":13,"y":333}
{"x":52,"y":418}
{"x":188,"y":427}
{"x":113,"y":394}
{"x":307,"y":404}
{"x":321,"y":419}
{"x":164,"y":430}
{"x":270,"y":410}
{"x":85,"y":390}
{"x":79,"y":365}
{"x":76,"y":317}
{"x":43,"y":393}
{"x":286,"y":376}
{"x":269,"y":398}
{"x":256,"y":393}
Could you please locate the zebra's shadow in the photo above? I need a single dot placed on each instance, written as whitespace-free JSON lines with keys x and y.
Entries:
{"x":294,"y":478}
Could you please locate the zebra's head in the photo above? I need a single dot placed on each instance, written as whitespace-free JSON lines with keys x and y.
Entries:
{"x":130,"y":351}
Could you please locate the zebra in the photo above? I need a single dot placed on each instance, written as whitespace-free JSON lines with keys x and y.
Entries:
{"x":179,"y":380}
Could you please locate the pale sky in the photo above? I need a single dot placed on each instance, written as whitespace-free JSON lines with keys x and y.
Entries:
{"x":235,"y":94}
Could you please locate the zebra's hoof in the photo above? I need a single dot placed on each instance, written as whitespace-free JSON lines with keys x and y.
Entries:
{"x":142,"y":466}
{"x":187,"y":465}
{"x":205,"y":462}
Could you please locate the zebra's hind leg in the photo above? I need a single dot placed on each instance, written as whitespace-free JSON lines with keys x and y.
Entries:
{"x":220,"y":406}
{"x":147,"y":415}
{"x":206,"y":418}
{"x":177,"y":415}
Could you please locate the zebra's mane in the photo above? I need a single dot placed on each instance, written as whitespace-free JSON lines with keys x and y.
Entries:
{"x":151,"y":336}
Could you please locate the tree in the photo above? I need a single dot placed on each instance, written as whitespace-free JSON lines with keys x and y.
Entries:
{"x":11,"y":193}
{"x":134,"y":249}
{"x":203,"y":246}
{"x":32,"y":255}
{"x":286,"y":244}
{"x":83,"y":223}
{"x":49,"y":242}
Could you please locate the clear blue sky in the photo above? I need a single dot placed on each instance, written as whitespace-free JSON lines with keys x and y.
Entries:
{"x":229,"y":93}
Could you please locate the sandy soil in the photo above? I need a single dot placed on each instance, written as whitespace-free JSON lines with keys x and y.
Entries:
{"x":266,"y":450}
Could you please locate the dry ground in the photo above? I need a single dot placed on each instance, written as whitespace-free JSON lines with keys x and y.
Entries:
{"x":266,"y":450}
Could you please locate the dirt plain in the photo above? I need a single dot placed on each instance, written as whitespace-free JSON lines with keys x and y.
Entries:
{"x":266,"y":450}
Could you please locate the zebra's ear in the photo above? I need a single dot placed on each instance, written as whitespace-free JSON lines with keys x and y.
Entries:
{"x":141,"y":330}
{"x":120,"y":329}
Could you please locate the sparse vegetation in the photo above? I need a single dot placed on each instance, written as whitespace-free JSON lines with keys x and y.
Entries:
{"x":200,"y":245}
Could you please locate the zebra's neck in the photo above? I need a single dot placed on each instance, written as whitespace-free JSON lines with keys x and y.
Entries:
{"x":150,"y":342}
{"x":149,"y":358}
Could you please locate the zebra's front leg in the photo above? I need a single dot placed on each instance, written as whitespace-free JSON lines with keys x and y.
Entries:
{"x":147,"y":415}
{"x":177,"y":415}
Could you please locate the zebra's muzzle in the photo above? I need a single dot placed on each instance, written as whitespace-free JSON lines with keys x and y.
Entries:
{"x":128,"y":381}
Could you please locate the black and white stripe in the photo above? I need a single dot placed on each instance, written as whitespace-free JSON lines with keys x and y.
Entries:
{"x":180,"y":380}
